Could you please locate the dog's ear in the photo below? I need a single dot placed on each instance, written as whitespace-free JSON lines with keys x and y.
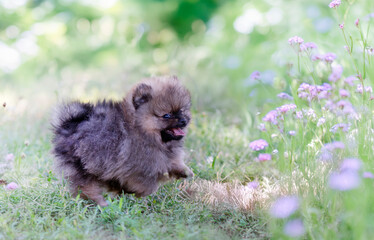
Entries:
{"x":141,"y":95}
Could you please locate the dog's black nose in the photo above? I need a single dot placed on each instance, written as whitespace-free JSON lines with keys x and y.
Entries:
{"x":182,"y":122}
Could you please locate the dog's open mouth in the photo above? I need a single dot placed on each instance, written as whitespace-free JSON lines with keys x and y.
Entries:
{"x":172,"y":134}
{"x":175,"y":131}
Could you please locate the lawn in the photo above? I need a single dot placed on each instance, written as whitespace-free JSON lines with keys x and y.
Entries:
{"x":281,"y":138}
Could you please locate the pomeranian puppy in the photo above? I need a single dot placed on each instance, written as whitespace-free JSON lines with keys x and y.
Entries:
{"x":128,"y":146}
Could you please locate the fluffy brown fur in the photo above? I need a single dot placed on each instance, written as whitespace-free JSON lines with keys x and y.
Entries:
{"x":129,"y":146}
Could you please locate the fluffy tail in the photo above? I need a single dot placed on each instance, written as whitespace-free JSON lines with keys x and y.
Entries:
{"x":68,"y":116}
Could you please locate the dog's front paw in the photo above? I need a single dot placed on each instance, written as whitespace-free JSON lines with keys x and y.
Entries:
{"x":181,"y":173}
{"x":188,"y":173}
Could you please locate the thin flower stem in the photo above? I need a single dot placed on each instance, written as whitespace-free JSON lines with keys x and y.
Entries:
{"x":350,"y":52}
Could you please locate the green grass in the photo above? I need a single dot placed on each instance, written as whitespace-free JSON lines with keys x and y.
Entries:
{"x":43,"y":209}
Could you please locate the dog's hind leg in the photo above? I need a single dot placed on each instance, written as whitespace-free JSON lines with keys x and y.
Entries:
{"x":94,"y":191}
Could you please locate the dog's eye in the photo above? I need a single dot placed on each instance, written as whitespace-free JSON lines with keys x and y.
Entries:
{"x":167,"y":116}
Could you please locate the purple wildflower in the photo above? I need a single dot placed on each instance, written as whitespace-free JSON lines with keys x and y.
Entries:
{"x":342,"y":104}
{"x":316,"y":57}
{"x":9,"y":157}
{"x":299,"y":115}
{"x":349,"y":80}
{"x":357,"y":22}
{"x":326,"y":87}
{"x":253,"y":184}
{"x":343,"y":93}
{"x":294,"y":228}
{"x":359,"y":88}
{"x":344,"y":181}
{"x":368,"y":175}
{"x":284,"y":96}
{"x":271,"y":117}
{"x":304,"y":87}
{"x":307,"y":46}
{"x":310,"y":113}
{"x":295,"y":40}
{"x":336,"y":74}
{"x":347,"y":49}
{"x":334,"y":145}
{"x":342,"y":126}
{"x":292,"y":133}
{"x":284,"y":207}
{"x":11,"y":186}
{"x":330,"y":105}
{"x":262,"y":157}
{"x":329,"y":57}
{"x":262,"y":127}
{"x":335,"y":3}
{"x":341,"y":26}
{"x":326,"y":156}
{"x":321,"y":121}
{"x":350,"y":164}
{"x":258,"y":145}
{"x":370,"y":51}
{"x":285,"y":108}
{"x":255,"y":75}
{"x":311,"y":92}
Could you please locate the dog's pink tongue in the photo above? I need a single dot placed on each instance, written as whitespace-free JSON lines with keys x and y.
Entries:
{"x":178,"y":132}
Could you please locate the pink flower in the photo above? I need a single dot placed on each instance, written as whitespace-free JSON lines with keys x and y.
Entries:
{"x":344,"y":181}
{"x":294,"y":228}
{"x":271,"y":117}
{"x":357,"y":22}
{"x":9,"y":157}
{"x":262,"y":157}
{"x":317,"y":57}
{"x":258,"y":145}
{"x":11,"y":186}
{"x":341,"y":26}
{"x":368,"y":175}
{"x":343,"y":93}
{"x":329,"y":57}
{"x":295,"y":40}
{"x":255,"y":75}
{"x":253,"y":184}
{"x":335,"y":3}
{"x":307,"y":46}
{"x":284,"y":207}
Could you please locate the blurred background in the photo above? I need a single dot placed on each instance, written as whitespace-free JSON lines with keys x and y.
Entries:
{"x":89,"y":49}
